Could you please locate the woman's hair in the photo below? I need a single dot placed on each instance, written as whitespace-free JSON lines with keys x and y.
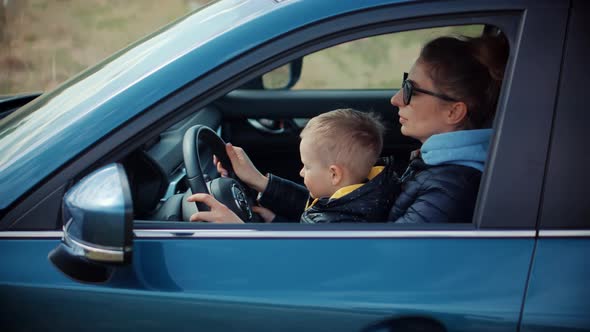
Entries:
{"x":347,"y":137}
{"x":469,"y":70}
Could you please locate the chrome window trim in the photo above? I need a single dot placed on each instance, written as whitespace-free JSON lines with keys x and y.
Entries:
{"x":348,"y":234}
{"x":31,"y":234}
{"x":546,"y":233}
{"x":345,"y":234}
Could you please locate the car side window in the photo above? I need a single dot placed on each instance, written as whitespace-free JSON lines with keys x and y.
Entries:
{"x":376,"y":62}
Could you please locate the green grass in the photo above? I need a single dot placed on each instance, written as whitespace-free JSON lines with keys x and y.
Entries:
{"x":115,"y":23}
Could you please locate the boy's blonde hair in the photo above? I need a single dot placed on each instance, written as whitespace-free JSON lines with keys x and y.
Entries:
{"x":347,"y":137}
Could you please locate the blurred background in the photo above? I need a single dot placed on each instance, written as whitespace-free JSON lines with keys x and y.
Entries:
{"x":45,"y":42}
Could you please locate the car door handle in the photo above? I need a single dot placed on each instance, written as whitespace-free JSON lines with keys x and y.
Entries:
{"x":268,"y":126}
{"x":405,"y":324}
{"x":276,"y":127}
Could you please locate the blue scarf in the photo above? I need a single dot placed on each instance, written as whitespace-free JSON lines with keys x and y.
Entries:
{"x":462,"y":147}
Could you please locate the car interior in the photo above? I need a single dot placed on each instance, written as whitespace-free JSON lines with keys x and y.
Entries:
{"x":264,"y":117}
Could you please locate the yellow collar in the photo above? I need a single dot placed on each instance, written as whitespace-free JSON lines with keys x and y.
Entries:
{"x":348,"y":189}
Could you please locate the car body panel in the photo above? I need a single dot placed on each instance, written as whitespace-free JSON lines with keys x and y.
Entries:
{"x":270,"y":284}
{"x":558,"y":295}
{"x":558,"y":292}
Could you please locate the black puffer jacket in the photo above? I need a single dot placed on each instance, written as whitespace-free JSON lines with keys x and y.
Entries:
{"x":368,"y":203}
{"x":436,"y":194}
{"x":429,"y":194}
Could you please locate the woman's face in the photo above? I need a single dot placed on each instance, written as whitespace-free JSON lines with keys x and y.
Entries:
{"x":426,"y":115}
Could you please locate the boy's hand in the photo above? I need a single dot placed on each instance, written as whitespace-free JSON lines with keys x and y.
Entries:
{"x":266,"y":214}
{"x":243,"y":167}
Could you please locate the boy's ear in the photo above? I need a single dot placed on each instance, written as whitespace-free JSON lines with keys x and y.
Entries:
{"x":336,"y":174}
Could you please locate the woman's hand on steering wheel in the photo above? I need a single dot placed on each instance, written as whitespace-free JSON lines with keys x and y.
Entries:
{"x":243,"y":167}
{"x":218,"y":213}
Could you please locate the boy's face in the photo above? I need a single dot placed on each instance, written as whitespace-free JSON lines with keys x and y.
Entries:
{"x":316,"y":173}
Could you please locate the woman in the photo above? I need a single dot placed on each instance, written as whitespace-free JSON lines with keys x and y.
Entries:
{"x":447,"y":102}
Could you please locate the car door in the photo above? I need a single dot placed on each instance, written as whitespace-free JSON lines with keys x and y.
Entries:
{"x":331,"y":277}
{"x":558,"y":293}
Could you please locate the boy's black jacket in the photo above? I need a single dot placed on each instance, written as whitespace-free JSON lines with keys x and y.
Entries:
{"x":369,"y":203}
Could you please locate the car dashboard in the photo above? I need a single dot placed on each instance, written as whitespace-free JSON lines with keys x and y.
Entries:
{"x":156,"y":170}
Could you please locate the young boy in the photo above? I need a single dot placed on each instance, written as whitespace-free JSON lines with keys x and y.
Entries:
{"x":338,"y":151}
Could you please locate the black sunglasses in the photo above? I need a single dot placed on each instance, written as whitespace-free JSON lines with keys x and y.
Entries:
{"x":408,"y":89}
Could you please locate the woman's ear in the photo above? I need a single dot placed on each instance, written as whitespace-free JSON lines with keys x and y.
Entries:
{"x":457,"y":113}
{"x":336,"y":175}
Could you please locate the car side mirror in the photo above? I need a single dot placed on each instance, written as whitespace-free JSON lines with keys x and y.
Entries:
{"x":282,"y":78}
{"x":98,"y":226}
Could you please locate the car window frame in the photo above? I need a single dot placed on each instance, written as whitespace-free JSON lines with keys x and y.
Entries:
{"x":566,"y":187}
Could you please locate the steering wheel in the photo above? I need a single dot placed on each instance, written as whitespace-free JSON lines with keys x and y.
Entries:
{"x":199,"y":145}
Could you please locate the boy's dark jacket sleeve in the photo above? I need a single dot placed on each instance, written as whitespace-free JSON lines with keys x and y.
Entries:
{"x":284,"y":197}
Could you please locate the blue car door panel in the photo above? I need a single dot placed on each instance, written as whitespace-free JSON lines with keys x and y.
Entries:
{"x":465,"y":281}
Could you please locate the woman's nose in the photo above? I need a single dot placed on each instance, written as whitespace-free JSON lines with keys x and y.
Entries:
{"x":396,"y":100}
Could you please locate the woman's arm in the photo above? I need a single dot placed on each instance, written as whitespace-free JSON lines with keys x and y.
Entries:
{"x":218,"y":212}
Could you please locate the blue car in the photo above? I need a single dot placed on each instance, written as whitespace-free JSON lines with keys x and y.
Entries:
{"x":94,"y":177}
